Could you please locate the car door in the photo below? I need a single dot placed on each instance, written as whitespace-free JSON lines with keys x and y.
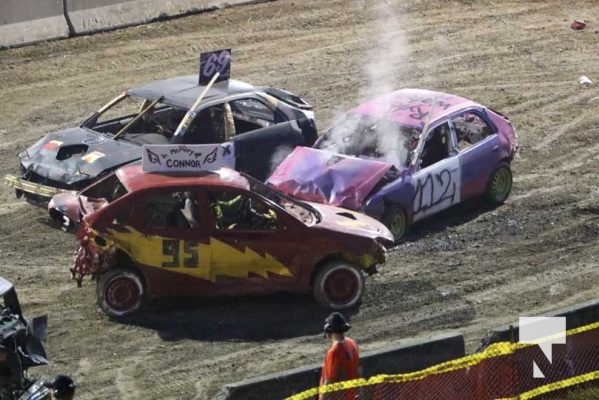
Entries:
{"x":437,"y":179}
{"x":248,"y":238}
{"x":258,"y":153}
{"x":478,"y":147}
{"x":171,"y":241}
{"x":264,"y":136}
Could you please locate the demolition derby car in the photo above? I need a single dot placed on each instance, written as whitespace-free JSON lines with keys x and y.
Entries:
{"x":148,"y":234}
{"x":257,"y":121}
{"x":405,"y":156}
{"x":21,"y":347}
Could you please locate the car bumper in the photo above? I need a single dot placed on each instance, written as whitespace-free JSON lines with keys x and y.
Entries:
{"x":376,"y":256}
{"x":22,"y":185}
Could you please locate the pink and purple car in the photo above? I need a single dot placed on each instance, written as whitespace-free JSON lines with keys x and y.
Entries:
{"x":405,"y":156}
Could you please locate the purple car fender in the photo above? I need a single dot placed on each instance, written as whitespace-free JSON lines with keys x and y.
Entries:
{"x":400,"y":193}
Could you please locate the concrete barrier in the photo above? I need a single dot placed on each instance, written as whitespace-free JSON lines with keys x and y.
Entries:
{"x":31,"y":21}
{"x":576,"y":316}
{"x":410,"y":356}
{"x":89,"y":16}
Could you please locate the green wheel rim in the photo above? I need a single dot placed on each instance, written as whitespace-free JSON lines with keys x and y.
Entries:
{"x":397,"y":225}
{"x":501,"y":184}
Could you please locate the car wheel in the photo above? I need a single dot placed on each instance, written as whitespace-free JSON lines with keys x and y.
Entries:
{"x":394,"y":217}
{"x":499,"y":186}
{"x":120,"y":292}
{"x":338,"y":285}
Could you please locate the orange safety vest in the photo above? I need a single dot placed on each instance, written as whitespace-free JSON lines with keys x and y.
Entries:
{"x":341,"y":362}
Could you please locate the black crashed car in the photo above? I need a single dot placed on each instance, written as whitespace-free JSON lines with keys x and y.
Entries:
{"x":21,"y":347}
{"x":263,"y":124}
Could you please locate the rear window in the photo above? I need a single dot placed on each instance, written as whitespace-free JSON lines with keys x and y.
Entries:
{"x":253,"y":109}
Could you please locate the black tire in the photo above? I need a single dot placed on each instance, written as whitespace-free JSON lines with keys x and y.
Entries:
{"x":338,"y":285}
{"x":499,"y":185}
{"x":395,"y":219}
{"x":120,"y":292}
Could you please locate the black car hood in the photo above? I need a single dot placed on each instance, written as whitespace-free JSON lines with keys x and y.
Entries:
{"x":76,"y":155}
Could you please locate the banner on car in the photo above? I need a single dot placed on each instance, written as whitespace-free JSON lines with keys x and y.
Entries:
{"x":187,"y":158}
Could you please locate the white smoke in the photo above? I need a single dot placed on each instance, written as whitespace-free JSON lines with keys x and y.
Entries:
{"x":382,"y":70}
{"x":280,"y":153}
{"x":387,"y":51}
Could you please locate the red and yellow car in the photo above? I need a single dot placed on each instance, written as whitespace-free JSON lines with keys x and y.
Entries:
{"x":216,"y":233}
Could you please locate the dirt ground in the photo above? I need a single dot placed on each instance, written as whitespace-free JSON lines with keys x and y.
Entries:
{"x":470,"y":269}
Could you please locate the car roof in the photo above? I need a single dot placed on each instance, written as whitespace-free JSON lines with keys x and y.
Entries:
{"x":411,"y":107}
{"x":134,"y":178}
{"x":183,"y":91}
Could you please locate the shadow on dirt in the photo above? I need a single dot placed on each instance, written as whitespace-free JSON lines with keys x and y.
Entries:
{"x":244,"y":318}
{"x":451,"y":217}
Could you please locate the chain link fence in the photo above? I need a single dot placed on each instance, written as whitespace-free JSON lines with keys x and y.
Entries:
{"x":501,"y":371}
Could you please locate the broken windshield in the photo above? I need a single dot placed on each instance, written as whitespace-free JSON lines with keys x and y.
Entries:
{"x":300,"y":210}
{"x":101,"y":193}
{"x":137,"y":120}
{"x":366,"y":136}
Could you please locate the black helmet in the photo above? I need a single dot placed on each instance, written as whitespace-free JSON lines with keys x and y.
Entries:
{"x":336,"y":323}
{"x":62,"y":387}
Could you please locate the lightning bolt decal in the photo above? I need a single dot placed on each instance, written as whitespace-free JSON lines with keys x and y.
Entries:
{"x":199,"y":260}
{"x":229,"y":261}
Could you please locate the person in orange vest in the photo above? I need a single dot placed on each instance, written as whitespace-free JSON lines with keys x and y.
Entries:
{"x":342,"y":360}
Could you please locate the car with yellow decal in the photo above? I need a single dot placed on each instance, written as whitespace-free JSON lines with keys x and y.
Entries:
{"x":150,"y":234}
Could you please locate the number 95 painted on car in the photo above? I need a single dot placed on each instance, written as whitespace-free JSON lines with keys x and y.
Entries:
{"x":148,"y":234}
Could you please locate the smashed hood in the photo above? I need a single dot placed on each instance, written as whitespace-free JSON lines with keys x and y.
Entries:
{"x":329,"y":178}
{"x":77,"y":154}
{"x":355,"y":223}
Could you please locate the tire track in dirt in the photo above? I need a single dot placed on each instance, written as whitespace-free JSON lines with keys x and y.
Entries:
{"x":126,"y":378}
{"x":538,"y":283}
{"x":11,"y":207}
{"x":558,"y":132}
